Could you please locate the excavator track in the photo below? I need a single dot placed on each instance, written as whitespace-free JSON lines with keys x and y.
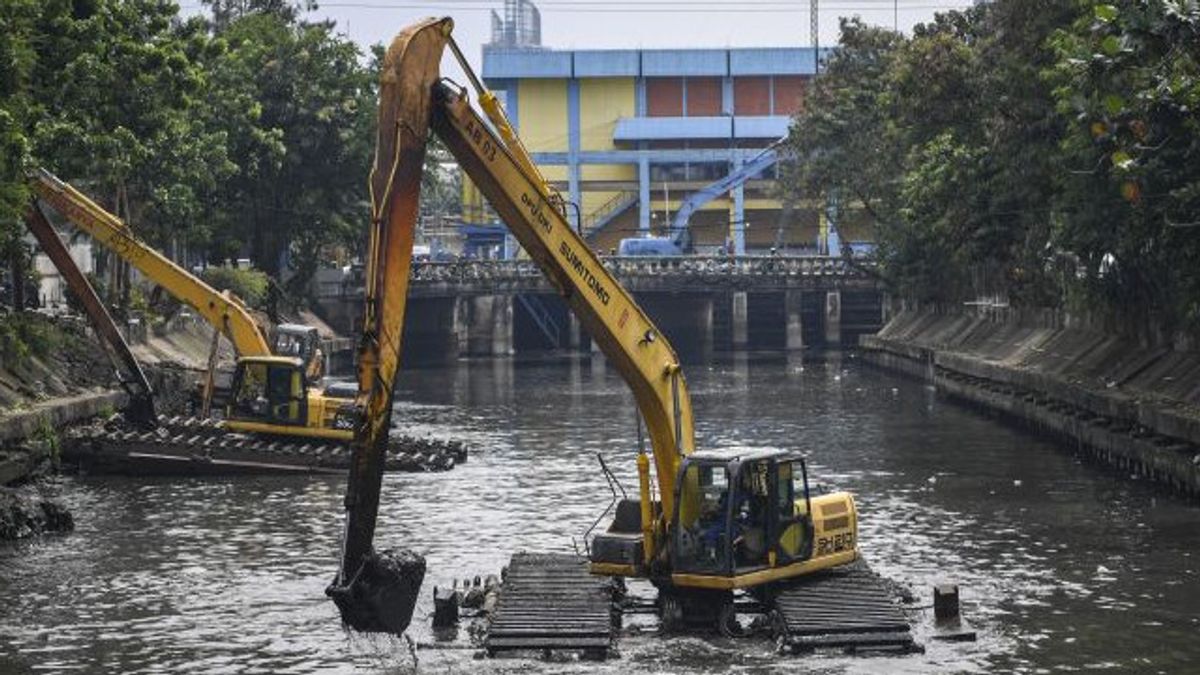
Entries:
{"x":203,"y":446}
{"x":848,"y":608}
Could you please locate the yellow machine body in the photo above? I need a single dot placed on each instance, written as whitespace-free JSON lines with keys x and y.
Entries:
{"x":647,"y":538}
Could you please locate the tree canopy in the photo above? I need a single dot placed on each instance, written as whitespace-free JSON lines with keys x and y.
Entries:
{"x":1045,"y":153}
{"x":246,"y":132}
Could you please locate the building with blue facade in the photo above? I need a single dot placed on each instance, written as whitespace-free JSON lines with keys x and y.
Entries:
{"x":629,"y":135}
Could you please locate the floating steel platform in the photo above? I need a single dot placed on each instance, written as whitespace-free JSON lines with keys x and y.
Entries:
{"x":551,"y":602}
{"x":195,"y":446}
{"x":847,"y":608}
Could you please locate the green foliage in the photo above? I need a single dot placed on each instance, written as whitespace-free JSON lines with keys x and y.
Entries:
{"x":1128,"y":83}
{"x":250,"y":134}
{"x":23,"y":335}
{"x":48,"y":437}
{"x":1046,"y":152}
{"x":250,"y":285}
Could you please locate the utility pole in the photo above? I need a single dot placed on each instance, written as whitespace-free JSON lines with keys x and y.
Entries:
{"x":815,"y":28}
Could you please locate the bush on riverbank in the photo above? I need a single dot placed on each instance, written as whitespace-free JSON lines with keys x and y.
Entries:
{"x":26,"y":334}
{"x":248,"y":284}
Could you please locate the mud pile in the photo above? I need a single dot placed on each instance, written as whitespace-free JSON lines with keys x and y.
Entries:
{"x":26,"y":512}
{"x":382,"y":595}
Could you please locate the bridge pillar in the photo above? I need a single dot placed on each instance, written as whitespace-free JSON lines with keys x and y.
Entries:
{"x":434,"y":330}
{"x":574,"y":332}
{"x":462,"y":325}
{"x":793,"y":302}
{"x":489,"y":325}
{"x":739,"y":215}
{"x":706,"y":332}
{"x":502,"y":325}
{"x":833,"y":319}
{"x":740,"y":320}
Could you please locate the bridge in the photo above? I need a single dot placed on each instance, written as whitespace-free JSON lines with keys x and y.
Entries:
{"x":702,"y":303}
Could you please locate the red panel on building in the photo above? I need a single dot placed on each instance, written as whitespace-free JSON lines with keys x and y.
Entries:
{"x":789,"y":93}
{"x":703,"y":96}
{"x":664,"y":97}
{"x":752,"y":96}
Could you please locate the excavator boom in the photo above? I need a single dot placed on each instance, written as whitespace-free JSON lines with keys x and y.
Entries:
{"x":412,"y":98}
{"x":626,"y":335}
{"x":377,"y":591}
{"x":225,"y":313}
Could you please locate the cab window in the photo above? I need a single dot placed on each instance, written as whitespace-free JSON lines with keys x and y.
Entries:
{"x":702,"y":535}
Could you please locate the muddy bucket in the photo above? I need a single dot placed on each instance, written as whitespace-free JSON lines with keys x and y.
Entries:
{"x":381,"y":596}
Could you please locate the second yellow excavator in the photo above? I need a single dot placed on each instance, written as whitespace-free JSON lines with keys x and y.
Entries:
{"x":275,"y":382}
{"x":706,"y":522}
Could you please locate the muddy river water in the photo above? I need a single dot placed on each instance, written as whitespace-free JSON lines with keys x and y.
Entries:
{"x":1063,"y":566}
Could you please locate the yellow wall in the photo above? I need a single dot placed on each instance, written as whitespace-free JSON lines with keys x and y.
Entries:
{"x":542,"y":115}
{"x":608,"y":172}
{"x":601,"y":102}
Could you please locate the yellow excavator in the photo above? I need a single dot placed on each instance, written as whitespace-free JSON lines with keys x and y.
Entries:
{"x":706,"y":522}
{"x":274,"y":385}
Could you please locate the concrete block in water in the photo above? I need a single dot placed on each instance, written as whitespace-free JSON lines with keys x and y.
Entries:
{"x":445,"y":607}
{"x":945,"y":602}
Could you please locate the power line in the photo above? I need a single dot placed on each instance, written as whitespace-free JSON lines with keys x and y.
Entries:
{"x":600,"y":7}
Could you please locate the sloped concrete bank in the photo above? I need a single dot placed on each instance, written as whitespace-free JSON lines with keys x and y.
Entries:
{"x":1128,"y":404}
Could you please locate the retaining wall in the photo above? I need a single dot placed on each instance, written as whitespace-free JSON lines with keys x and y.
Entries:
{"x":1130,"y":404}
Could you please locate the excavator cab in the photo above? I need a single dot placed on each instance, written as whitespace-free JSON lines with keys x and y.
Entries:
{"x":741,"y":513}
{"x":301,"y":342}
{"x":269,"y":390}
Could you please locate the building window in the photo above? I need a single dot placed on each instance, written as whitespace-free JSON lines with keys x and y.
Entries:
{"x":789,"y":94}
{"x":703,"y":96}
{"x":668,"y":172}
{"x":752,"y":95}
{"x":707,"y":171}
{"x":664,"y":96}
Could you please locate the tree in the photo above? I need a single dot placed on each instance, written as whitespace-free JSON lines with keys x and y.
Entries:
{"x":303,"y":147}
{"x":1128,"y":82}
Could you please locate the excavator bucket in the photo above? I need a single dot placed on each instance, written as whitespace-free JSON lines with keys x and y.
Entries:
{"x":377,"y":591}
{"x":381,"y":596}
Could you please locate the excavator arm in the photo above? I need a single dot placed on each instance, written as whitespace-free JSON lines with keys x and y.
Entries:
{"x":141,"y":396}
{"x":377,"y":591}
{"x":222,"y":310}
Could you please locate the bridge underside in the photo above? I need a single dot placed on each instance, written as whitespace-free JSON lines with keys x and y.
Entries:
{"x":704,"y":306}
{"x":699,"y":324}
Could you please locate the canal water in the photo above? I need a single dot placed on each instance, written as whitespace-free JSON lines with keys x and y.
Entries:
{"x":1063,"y":566}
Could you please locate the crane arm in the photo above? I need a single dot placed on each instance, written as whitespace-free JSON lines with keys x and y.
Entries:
{"x":225,"y":312}
{"x":759,"y":163}
{"x":620,"y":328}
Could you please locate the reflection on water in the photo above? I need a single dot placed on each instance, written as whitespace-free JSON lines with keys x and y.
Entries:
{"x":1062,"y":566}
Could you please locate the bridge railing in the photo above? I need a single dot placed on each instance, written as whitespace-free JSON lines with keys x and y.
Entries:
{"x":648,"y":266}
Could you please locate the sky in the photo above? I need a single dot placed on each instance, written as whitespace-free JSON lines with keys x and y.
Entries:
{"x":649,"y":24}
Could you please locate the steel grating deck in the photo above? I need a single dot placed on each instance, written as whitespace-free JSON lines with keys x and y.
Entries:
{"x":552,"y":602}
{"x":843,"y":608}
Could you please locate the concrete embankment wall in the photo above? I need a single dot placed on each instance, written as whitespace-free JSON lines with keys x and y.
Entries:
{"x":39,"y":397}
{"x":1133,"y":405}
